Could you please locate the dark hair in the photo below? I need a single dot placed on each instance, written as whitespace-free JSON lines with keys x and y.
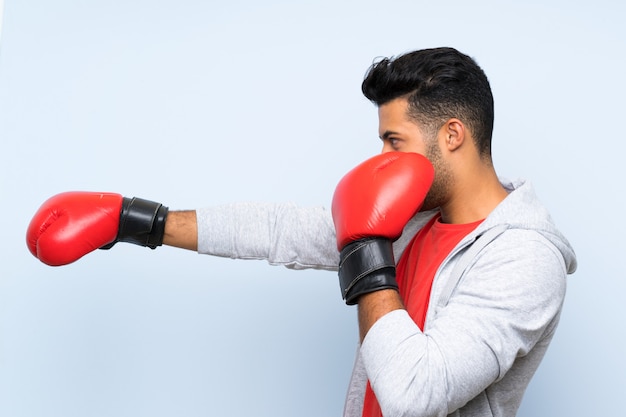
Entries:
{"x":439,"y":84}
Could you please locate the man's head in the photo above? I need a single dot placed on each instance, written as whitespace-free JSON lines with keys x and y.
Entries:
{"x":438,"y":102}
{"x":439,"y":84}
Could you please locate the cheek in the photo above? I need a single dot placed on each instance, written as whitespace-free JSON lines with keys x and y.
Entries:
{"x":416,"y":148}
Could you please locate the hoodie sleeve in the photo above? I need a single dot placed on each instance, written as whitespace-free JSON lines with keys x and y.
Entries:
{"x":508,"y":300}
{"x":281,"y":234}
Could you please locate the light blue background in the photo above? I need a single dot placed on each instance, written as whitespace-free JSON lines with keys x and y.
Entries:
{"x":194,"y":103}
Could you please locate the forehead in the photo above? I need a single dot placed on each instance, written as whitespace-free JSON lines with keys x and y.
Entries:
{"x":393,"y":116}
{"x":394,"y":110}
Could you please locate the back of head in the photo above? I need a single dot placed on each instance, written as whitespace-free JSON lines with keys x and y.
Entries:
{"x":439,"y":84}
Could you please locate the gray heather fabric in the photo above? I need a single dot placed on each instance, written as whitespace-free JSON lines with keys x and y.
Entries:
{"x":282,"y":234}
{"x":481,"y":343}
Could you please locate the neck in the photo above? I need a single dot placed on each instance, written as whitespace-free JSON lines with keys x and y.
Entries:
{"x":474,"y":196}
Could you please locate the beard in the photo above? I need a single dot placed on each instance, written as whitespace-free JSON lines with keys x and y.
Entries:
{"x":438,"y":192}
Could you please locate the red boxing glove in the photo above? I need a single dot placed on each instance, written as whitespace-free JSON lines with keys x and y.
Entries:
{"x":371,"y":206}
{"x":72,"y":224}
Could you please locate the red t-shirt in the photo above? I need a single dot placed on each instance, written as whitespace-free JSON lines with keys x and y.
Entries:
{"x":415,"y":273}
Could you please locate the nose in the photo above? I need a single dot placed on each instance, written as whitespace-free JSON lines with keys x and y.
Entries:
{"x":386,"y":148}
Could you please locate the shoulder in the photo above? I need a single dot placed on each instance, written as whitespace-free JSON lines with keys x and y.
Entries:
{"x":521,"y":263}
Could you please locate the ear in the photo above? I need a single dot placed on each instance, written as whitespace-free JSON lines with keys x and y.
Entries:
{"x":455,"y":133}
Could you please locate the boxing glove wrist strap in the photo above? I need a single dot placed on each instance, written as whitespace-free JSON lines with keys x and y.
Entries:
{"x":142,"y":222}
{"x":366,"y":266}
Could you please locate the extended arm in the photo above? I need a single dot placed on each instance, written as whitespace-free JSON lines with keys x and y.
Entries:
{"x":181,"y":230}
{"x":71,"y":225}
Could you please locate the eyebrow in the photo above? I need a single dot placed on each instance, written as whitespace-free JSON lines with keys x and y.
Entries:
{"x":387,"y":134}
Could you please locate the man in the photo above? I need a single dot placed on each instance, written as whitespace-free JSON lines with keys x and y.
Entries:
{"x":481,"y":268}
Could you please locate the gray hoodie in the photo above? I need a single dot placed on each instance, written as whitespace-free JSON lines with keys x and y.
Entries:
{"x":494,"y":307}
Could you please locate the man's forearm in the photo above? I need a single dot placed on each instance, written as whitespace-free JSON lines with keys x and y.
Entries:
{"x":181,"y":230}
{"x":374,"y":305}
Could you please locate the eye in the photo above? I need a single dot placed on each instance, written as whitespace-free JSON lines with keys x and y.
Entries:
{"x":394,"y":143}
{"x":391,"y":142}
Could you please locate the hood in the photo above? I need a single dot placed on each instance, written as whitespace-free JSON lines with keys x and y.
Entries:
{"x":521,"y":209}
